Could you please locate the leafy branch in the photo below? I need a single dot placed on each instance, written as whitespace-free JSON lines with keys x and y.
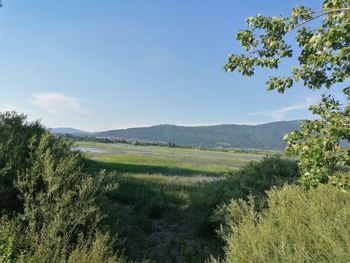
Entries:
{"x":323,"y":61}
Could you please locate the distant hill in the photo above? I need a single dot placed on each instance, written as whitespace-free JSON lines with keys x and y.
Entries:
{"x":263,"y":136}
{"x":70,"y":131}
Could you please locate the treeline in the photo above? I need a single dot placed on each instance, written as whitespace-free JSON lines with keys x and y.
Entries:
{"x":161,"y":144}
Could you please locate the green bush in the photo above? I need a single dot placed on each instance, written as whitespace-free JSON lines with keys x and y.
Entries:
{"x":51,"y":207}
{"x":13,"y":241}
{"x":341,"y":179}
{"x":254,"y":179}
{"x":98,"y":251}
{"x":298,"y":226}
{"x":15,"y":246}
{"x":15,"y":134}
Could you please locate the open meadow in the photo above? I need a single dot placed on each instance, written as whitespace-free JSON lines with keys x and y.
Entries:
{"x":166,"y":160}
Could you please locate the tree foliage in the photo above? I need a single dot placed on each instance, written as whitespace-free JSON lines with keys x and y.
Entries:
{"x":323,"y":57}
{"x":317,"y":144}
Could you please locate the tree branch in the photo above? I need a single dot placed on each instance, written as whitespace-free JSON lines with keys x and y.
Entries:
{"x":322,"y":14}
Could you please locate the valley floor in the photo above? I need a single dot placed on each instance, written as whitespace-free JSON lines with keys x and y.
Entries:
{"x":162,"y":207}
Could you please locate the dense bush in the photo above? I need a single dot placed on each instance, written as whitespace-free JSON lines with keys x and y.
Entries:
{"x":15,"y":246}
{"x":254,"y":179}
{"x":15,"y":134}
{"x":50,"y":206}
{"x":298,"y":226}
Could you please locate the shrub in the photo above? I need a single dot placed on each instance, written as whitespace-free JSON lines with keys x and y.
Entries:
{"x":13,"y":242}
{"x":254,"y":179}
{"x":15,"y":247}
{"x":98,"y":251}
{"x":15,"y":133}
{"x":60,"y":200}
{"x":298,"y":226}
{"x":257,"y":178}
{"x":52,"y":206}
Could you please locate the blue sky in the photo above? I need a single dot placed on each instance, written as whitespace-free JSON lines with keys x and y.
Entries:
{"x":98,"y":65}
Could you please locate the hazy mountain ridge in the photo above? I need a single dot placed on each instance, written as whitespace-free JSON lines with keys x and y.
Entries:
{"x":263,"y":136}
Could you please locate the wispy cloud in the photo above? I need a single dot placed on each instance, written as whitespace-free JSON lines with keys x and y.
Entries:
{"x":58,"y":103}
{"x":279,"y":114}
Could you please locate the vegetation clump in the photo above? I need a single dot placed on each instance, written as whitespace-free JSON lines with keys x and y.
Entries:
{"x":298,"y":226}
{"x":254,"y":179}
{"x":50,"y":207}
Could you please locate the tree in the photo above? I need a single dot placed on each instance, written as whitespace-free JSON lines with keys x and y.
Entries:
{"x":317,"y":144}
{"x":323,"y":56}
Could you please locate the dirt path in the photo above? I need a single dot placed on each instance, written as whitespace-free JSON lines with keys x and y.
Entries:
{"x":167,"y":242}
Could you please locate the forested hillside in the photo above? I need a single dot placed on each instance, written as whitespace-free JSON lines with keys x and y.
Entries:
{"x":264,"y":136}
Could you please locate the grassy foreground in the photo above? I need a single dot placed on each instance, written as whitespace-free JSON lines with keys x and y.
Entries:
{"x":166,"y":196}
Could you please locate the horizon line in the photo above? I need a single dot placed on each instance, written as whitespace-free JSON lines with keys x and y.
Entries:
{"x":178,"y":125}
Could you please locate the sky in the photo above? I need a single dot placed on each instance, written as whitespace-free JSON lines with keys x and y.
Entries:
{"x":111,"y":64}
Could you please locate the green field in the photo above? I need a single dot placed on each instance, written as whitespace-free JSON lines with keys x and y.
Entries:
{"x":165,"y":197}
{"x":166,"y":160}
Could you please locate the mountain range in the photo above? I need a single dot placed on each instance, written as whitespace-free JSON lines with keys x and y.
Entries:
{"x":267,"y":136}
